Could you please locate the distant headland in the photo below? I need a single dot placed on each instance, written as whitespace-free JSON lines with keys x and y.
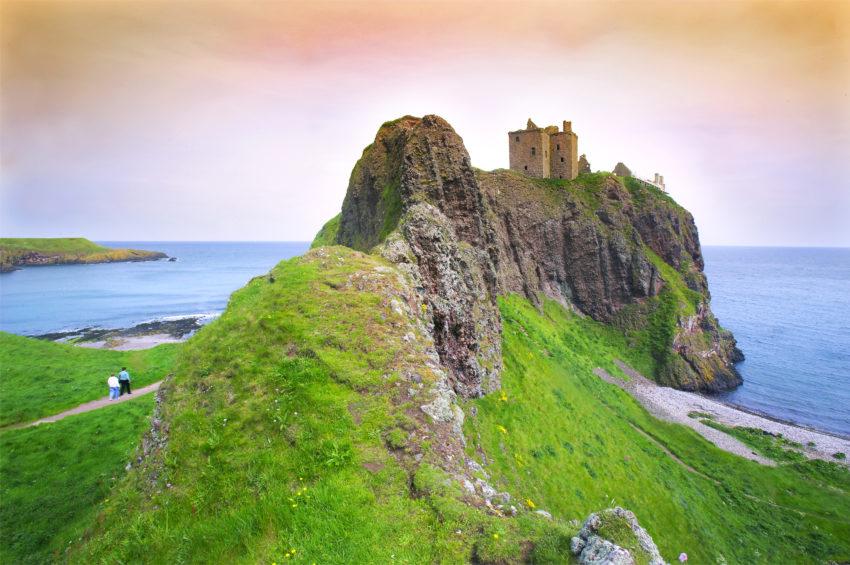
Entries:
{"x":25,"y":252}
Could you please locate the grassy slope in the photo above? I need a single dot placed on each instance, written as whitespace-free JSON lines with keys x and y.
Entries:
{"x":55,"y":476}
{"x":40,"y":378}
{"x":327,"y":235}
{"x":65,"y":249}
{"x":570,"y":443}
{"x":279,"y":404}
{"x":277,"y":410}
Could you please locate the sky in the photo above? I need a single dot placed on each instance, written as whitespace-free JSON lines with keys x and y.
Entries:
{"x":221,"y":120}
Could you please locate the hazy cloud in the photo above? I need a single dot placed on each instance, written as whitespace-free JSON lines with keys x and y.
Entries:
{"x":225,"y":120}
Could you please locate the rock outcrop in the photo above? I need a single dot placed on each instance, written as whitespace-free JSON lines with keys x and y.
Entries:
{"x":592,"y":545}
{"x":598,"y":244}
{"x":415,"y":191}
{"x":607,"y":247}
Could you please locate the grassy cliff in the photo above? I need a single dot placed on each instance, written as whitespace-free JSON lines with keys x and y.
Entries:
{"x":293,"y":435}
{"x":16,"y":252}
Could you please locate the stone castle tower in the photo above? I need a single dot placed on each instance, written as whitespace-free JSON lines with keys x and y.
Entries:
{"x":544,"y":152}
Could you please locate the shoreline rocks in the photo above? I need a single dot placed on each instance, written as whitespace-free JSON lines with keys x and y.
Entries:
{"x":179,"y":328}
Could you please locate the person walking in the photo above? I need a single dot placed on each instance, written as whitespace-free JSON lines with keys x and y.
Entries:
{"x":112,"y":381}
{"x":124,"y":379}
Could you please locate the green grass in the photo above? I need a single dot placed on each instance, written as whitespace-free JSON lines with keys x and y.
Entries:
{"x":53,"y":245}
{"x":55,"y":476}
{"x":281,"y":412}
{"x":571,"y":444}
{"x":772,"y":446}
{"x":686,"y":300}
{"x":291,"y":429}
{"x":40,"y":378}
{"x":327,"y":235}
{"x":65,"y":250}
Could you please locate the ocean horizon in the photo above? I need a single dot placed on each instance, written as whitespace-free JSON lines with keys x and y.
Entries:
{"x":787,"y":307}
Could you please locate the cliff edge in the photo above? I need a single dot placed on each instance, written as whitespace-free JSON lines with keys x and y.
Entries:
{"x":614,"y":249}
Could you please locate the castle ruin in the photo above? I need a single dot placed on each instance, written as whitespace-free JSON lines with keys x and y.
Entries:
{"x":551,"y":154}
{"x":545,"y":152}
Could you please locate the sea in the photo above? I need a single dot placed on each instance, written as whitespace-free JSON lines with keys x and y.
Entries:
{"x":38,"y":300}
{"x":789,"y":309}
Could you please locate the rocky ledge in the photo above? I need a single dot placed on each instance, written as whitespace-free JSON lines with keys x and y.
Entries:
{"x":611,"y":248}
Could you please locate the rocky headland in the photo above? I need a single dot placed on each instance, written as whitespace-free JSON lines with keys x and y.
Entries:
{"x":424,"y":386}
{"x":608,"y":247}
{"x":20,"y":252}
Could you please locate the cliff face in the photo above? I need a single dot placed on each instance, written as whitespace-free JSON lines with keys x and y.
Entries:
{"x":616,"y":250}
{"x":415,"y":192}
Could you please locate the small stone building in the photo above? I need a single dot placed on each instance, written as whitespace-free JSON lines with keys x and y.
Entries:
{"x":544,"y":152}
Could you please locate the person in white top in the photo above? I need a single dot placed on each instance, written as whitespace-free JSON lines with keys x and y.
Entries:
{"x":112,"y":381}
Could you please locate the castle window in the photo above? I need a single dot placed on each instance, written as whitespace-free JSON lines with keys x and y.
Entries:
{"x":558,"y":146}
{"x":534,"y":151}
{"x":525,"y":167}
{"x":562,"y":159}
{"x":517,"y":138}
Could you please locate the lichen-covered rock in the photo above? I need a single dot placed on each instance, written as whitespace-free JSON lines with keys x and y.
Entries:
{"x":614,"y":537}
{"x":415,"y":192}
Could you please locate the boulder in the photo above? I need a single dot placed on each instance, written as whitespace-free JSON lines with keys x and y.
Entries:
{"x":632,"y":544}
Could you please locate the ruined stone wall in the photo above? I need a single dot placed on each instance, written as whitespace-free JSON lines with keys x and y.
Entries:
{"x":563,"y":148}
{"x":529,"y":152}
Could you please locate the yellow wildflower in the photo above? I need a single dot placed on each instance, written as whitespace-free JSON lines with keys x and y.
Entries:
{"x":530,"y":503}
{"x":501,"y":428}
{"x":495,"y":536}
{"x":503,"y":397}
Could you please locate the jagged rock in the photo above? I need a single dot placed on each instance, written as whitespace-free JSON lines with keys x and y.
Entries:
{"x":415,"y":191}
{"x":592,"y":548}
{"x":583,"y":165}
{"x":622,"y":171}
